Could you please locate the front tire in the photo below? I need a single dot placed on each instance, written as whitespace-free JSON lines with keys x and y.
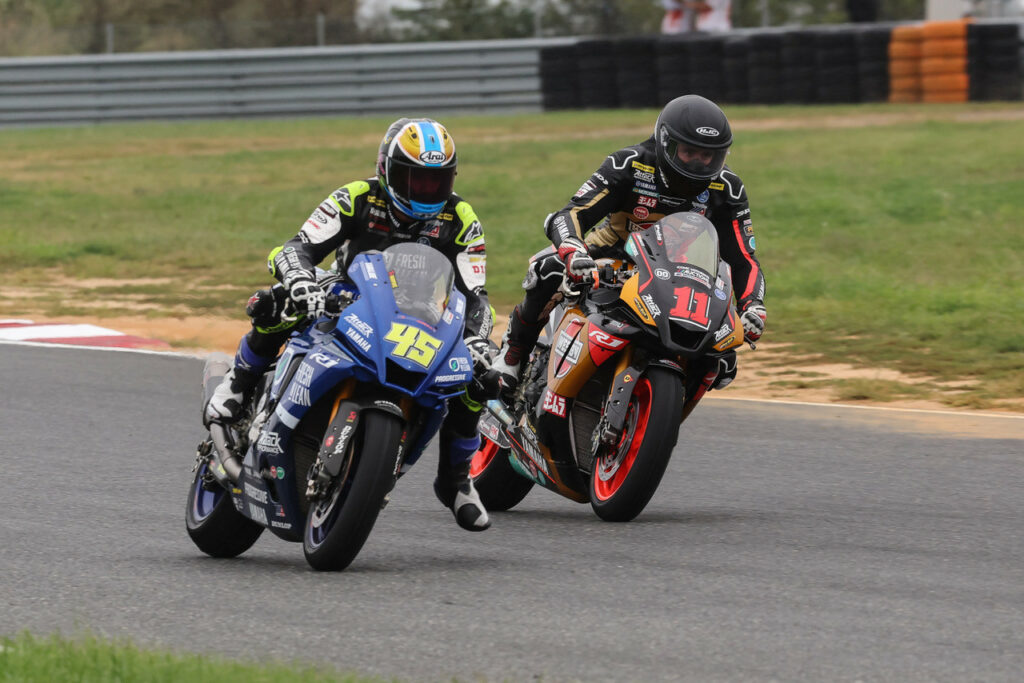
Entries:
{"x":626,"y":476}
{"x":212,"y":521}
{"x":497,"y":484}
{"x":338,"y":525}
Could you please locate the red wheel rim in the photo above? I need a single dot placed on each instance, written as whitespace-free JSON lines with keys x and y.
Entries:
{"x":482,"y":458}
{"x":611,"y":469}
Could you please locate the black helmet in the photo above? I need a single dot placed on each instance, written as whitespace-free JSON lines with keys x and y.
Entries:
{"x":692,"y":136}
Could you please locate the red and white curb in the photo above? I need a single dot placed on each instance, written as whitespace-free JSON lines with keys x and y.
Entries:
{"x":74,"y":334}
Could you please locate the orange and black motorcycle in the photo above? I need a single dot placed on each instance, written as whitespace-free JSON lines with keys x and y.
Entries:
{"x":599,"y":404}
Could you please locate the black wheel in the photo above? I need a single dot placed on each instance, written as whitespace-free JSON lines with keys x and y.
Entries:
{"x":338,"y":525}
{"x":212,"y":521}
{"x":626,"y":476}
{"x":497,"y":484}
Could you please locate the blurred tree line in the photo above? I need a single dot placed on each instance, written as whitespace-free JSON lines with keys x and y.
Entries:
{"x":89,"y":26}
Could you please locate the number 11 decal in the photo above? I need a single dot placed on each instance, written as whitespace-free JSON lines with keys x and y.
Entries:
{"x":692,"y":306}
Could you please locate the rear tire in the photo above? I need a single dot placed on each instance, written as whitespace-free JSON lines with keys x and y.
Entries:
{"x":625,"y":478}
{"x":497,"y":484}
{"x":338,"y":526}
{"x":212,"y":521}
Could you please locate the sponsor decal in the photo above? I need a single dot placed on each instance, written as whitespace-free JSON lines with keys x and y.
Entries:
{"x":640,"y":308}
{"x":447,"y":316}
{"x":319,"y":217}
{"x":359,"y":340}
{"x":662,"y":274}
{"x":368,"y":271}
{"x":649,"y":202}
{"x":644,"y":176}
{"x":352,"y":415}
{"x":723,"y":331}
{"x":553,"y":403}
{"x":270,"y":442}
{"x":584,"y":189}
{"x":601,"y":178}
{"x":602,"y":346}
{"x":451,"y":378}
{"x":258,"y":514}
{"x":694,"y":274}
{"x":752,"y":244}
{"x":324,"y":360}
{"x":280,"y":511}
{"x":459,"y":364}
{"x":719,"y":293}
{"x":708,"y":131}
{"x":435,"y":230}
{"x":748,"y":229}
{"x":703,"y":197}
{"x":361,"y":325}
{"x":717,"y":186}
{"x":433,"y":157}
{"x":280,"y":525}
{"x":642,"y":167}
{"x":304,"y":375}
{"x":346,"y":432}
{"x":534,"y":454}
{"x":343,"y":198}
{"x":651,"y":306}
{"x":460,"y":306}
{"x":276,"y":472}
{"x":741,"y":214}
{"x":327,"y":210}
{"x":626,"y":379}
{"x":299,"y":395}
{"x":255,"y":493}
{"x":329,"y":441}
{"x":641,"y":212}
{"x":650,"y":187}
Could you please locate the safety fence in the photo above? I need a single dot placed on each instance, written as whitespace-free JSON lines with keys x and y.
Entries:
{"x":928,"y":62}
{"x":465,"y":77}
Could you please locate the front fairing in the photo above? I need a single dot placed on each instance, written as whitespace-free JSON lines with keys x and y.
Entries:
{"x":682,"y":287}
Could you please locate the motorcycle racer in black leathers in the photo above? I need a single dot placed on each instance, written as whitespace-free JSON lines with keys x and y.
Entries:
{"x":410,"y":199}
{"x":679,"y":168}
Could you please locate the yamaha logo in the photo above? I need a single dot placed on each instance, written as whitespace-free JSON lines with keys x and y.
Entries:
{"x":432,"y":157}
{"x":708,"y":131}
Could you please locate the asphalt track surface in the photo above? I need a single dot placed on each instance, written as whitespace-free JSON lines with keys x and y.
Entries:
{"x":787,"y":542}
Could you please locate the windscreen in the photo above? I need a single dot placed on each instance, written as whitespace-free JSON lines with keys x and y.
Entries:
{"x":421,"y":278}
{"x":687,"y":238}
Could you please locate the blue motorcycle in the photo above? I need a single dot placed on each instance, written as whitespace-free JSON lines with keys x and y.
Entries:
{"x":351,"y":403}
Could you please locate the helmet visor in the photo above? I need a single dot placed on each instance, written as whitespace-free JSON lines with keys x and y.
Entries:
{"x":691,"y":161}
{"x":421,"y":184}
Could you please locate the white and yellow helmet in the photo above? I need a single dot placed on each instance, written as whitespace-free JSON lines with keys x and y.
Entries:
{"x":416,"y":166}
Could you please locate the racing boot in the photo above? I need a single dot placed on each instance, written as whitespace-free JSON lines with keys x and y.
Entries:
{"x":518,"y":342}
{"x":233,"y":393}
{"x":453,"y":485}
{"x":230,"y":397}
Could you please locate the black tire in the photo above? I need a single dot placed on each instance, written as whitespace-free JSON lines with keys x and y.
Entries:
{"x":499,"y":486}
{"x":337,"y":527}
{"x":213,"y":523}
{"x":621,"y":484}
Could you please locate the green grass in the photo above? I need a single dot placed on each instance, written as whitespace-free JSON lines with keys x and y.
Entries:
{"x":26,"y":658}
{"x":895,"y":245}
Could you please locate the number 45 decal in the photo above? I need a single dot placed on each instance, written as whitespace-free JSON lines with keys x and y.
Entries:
{"x":413,"y":344}
{"x":692,"y":306}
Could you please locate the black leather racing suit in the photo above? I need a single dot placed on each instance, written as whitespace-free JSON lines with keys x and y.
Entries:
{"x":358,"y":217}
{"x":624,"y":196}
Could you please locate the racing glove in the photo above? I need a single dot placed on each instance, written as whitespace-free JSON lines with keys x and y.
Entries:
{"x":307,"y":295}
{"x":480,"y":351}
{"x":753,"y":318}
{"x":578,"y":264}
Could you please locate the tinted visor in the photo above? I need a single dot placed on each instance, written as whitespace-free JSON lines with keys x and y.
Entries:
{"x":421,"y":184}
{"x":691,"y":161}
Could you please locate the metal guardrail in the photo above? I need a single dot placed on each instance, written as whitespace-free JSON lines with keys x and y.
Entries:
{"x":462,"y":77}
